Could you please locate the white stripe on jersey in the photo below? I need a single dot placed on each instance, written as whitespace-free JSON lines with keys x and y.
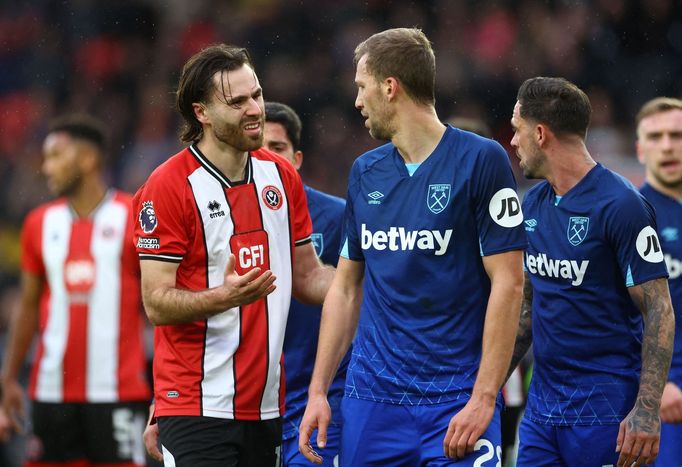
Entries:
{"x":222,"y":334}
{"x":265,"y":173}
{"x":56,"y":233}
{"x":104,"y":304}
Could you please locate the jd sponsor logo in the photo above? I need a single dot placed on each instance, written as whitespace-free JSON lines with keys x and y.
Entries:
{"x":505,"y":208}
{"x":648,"y":245}
{"x":541,"y":265}
{"x":397,"y":238}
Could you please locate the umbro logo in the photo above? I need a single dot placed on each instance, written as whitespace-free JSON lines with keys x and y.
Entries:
{"x":530,"y":225}
{"x":214,"y":207}
{"x":376,"y":197}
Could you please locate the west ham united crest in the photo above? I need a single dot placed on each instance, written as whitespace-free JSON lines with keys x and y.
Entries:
{"x":272,"y":197}
{"x":577,"y":229}
{"x":438,"y":197}
{"x":318,"y":243}
{"x":147,"y":217}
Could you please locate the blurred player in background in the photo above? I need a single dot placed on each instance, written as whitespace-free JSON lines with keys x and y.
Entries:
{"x":659,"y":148}
{"x":218,"y":223}
{"x":283,"y":136}
{"x":595,"y":278}
{"x":433,"y":228}
{"x":81,"y":294}
{"x":512,"y":392}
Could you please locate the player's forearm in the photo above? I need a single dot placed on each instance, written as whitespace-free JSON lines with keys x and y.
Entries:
{"x":524,"y":335}
{"x":23,"y":327}
{"x":169,"y":305}
{"x":337,"y":328}
{"x":312,"y":288}
{"x":657,"y":345}
{"x":499,"y":335}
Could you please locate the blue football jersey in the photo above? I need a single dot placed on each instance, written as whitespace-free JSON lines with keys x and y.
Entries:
{"x":425,"y":290}
{"x":303,"y":324}
{"x":669,"y":220}
{"x":584,"y":251}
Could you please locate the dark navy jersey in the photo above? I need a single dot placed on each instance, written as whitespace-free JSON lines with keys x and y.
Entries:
{"x":584,"y":251}
{"x":303,"y":325}
{"x":425,"y":292}
{"x":669,"y":220}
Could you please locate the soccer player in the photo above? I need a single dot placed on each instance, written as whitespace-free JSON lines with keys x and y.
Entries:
{"x":217,"y":223}
{"x":659,"y":148}
{"x":81,"y":294}
{"x":512,"y":392}
{"x":283,"y":136}
{"x":595,"y":278}
{"x":433,"y":228}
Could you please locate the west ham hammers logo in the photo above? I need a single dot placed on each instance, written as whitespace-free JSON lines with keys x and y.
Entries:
{"x":438,"y":197}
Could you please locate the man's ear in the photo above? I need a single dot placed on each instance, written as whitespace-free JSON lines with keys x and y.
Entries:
{"x":542,"y":134}
{"x":200,"y":112}
{"x":390,"y":87}
{"x":298,"y":159}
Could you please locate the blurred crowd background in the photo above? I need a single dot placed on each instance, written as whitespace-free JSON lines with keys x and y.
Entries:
{"x":120,"y":60}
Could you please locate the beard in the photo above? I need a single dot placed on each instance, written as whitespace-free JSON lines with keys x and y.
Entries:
{"x":532,"y":164}
{"x":68,"y":187}
{"x":233,"y":135}
{"x":381,"y":127}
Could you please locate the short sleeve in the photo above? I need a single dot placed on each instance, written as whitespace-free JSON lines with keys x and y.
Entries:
{"x":31,"y":243}
{"x":302,"y":225}
{"x":350,"y":242}
{"x":496,"y":205}
{"x":631,"y":229}
{"x":161,"y":223}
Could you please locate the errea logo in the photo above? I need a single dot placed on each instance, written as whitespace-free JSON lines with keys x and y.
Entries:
{"x":375,"y":197}
{"x":214,"y":207}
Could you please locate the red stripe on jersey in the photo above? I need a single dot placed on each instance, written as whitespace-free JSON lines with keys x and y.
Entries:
{"x":250,"y":246}
{"x":79,"y":272}
{"x":31,"y":262}
{"x":132,"y":379}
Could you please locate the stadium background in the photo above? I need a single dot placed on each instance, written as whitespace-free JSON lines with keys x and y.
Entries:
{"x":120,"y":61}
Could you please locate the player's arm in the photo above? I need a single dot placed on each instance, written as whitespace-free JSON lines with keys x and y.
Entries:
{"x":166,"y":304}
{"x":671,"y":403}
{"x":499,"y":332}
{"x":24,"y":325}
{"x":639,"y":435}
{"x":311,"y":279}
{"x":339,"y":321}
{"x":524,"y":335}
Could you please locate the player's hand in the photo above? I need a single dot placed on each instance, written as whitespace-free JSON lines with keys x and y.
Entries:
{"x":467,"y":426}
{"x":151,"y":437}
{"x":671,"y":404}
{"x":5,"y":426}
{"x":239,"y":290}
{"x":13,"y":404}
{"x":639,"y":436}
{"x":317,"y":414}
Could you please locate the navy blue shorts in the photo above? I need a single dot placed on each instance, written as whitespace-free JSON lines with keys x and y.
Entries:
{"x":575,"y":446}
{"x":376,"y":433}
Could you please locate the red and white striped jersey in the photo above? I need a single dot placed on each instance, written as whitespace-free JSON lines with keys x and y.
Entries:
{"x":90,"y":321}
{"x":230,"y":365}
